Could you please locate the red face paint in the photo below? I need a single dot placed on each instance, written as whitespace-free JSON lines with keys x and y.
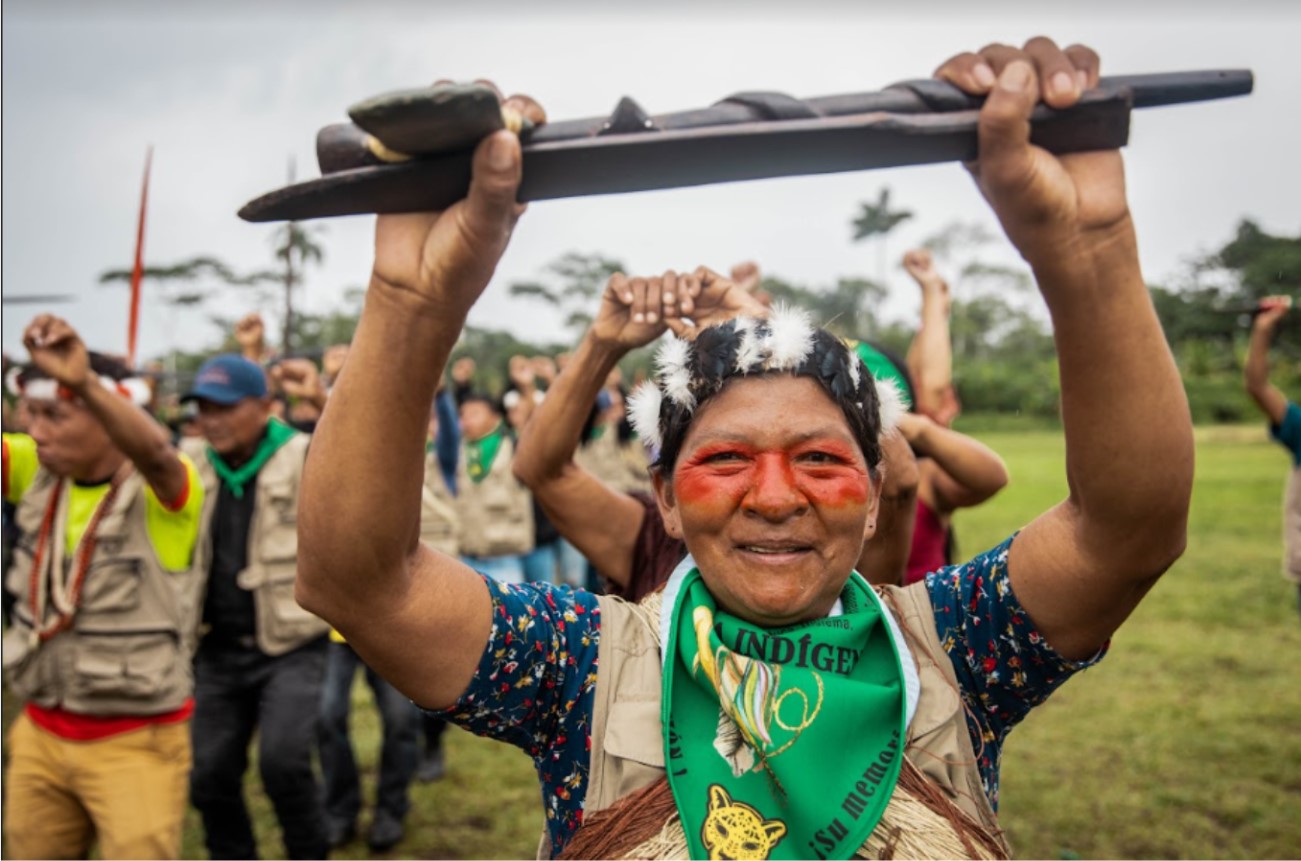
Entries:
{"x":819,"y":472}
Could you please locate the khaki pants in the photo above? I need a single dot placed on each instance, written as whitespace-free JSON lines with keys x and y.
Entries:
{"x":129,"y":791}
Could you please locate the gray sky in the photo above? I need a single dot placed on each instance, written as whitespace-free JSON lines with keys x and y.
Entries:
{"x":228,"y":93}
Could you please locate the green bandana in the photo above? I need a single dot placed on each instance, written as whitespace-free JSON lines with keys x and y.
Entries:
{"x":480,"y":453}
{"x":278,"y":433}
{"x":781,"y":743}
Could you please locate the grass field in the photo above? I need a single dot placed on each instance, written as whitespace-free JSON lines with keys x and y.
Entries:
{"x":1184,"y":743}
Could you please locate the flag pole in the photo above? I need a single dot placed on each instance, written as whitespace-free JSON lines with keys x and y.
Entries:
{"x":137,"y":272}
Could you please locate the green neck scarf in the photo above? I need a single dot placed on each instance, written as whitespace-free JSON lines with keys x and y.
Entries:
{"x":782,"y":743}
{"x":480,"y":453}
{"x":278,"y":433}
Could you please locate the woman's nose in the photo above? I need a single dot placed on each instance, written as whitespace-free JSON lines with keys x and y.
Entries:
{"x":774,"y":494}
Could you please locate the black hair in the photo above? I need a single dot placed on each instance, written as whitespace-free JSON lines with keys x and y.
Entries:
{"x":712,"y":365}
{"x":484,"y":398}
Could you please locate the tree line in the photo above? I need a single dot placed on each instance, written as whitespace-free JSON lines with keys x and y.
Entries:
{"x":1004,"y":362}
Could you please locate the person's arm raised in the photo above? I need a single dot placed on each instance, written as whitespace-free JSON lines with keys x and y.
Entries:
{"x":417,"y":617}
{"x":963,"y":471}
{"x":1081,"y":568}
{"x":600,"y":521}
{"x":1272,"y":402}
{"x":298,"y":378}
{"x":930,"y":355}
{"x":57,"y":349}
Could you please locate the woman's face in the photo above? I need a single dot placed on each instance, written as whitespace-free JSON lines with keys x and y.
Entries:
{"x":772,"y":495}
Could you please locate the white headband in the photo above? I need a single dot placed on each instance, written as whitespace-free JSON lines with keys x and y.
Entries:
{"x":134,"y":389}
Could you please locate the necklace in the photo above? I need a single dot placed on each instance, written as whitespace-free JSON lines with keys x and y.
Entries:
{"x":50,"y":586}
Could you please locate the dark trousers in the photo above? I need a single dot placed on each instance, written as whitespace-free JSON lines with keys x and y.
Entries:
{"x":434,"y":727}
{"x":401,"y":721}
{"x":238,"y":690}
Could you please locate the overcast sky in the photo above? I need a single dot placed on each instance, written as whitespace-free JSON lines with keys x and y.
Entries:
{"x":228,"y":93}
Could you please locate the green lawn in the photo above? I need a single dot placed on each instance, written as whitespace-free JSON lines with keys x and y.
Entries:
{"x":1183,"y":743}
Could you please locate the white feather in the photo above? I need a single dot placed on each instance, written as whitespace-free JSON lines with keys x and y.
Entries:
{"x":750,"y":351}
{"x":673,"y":356}
{"x":644,"y":413}
{"x":677,"y":387}
{"x":790,"y":338}
{"x":855,"y":367}
{"x":891,"y":403}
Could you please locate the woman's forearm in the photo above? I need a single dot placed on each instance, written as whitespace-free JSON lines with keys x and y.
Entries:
{"x":359,"y":511}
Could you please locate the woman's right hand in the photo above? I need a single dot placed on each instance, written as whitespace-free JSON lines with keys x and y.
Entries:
{"x":445,"y":259}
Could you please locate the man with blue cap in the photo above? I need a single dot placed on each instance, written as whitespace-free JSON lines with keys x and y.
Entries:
{"x":261,"y":659}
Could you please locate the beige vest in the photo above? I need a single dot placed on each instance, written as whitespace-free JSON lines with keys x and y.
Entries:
{"x":622,"y":467}
{"x":1292,"y":528}
{"x":128,"y":650}
{"x":627,"y":739}
{"x":439,"y":524}
{"x":496,"y":514}
{"x":282,"y":625}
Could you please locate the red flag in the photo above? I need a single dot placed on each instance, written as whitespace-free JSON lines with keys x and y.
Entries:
{"x":137,"y":273}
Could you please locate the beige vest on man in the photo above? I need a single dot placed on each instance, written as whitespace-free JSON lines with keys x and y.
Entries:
{"x":272,"y":567}
{"x":496,"y":514}
{"x":127,"y":652}
{"x":628,"y":745}
{"x":622,"y":467}
{"x":439,"y":523}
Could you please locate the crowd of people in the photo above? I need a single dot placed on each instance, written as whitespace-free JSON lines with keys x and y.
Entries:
{"x":722,"y":612}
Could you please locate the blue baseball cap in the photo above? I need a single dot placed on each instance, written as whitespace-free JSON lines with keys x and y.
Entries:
{"x":228,"y":379}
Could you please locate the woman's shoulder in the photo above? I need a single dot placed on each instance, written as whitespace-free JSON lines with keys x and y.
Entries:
{"x":631,"y":625}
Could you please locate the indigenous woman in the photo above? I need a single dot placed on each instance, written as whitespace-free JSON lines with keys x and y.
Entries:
{"x":769,"y":703}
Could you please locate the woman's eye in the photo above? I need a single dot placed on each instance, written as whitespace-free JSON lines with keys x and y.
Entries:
{"x":723,"y":457}
{"x":819,"y":457}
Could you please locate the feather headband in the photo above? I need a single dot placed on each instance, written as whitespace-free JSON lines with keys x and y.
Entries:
{"x":687,"y":373}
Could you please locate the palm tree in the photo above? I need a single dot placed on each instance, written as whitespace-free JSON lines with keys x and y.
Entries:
{"x":574,"y":282}
{"x":875,"y":221}
{"x":295,"y":247}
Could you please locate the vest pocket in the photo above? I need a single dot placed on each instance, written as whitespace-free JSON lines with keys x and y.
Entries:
{"x":279,"y":544}
{"x":629,"y":727}
{"x":278,"y":541}
{"x":137,"y":668}
{"x":632,"y":750}
{"x":280,"y":619}
{"x":24,"y":672}
{"x":112,"y":586}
